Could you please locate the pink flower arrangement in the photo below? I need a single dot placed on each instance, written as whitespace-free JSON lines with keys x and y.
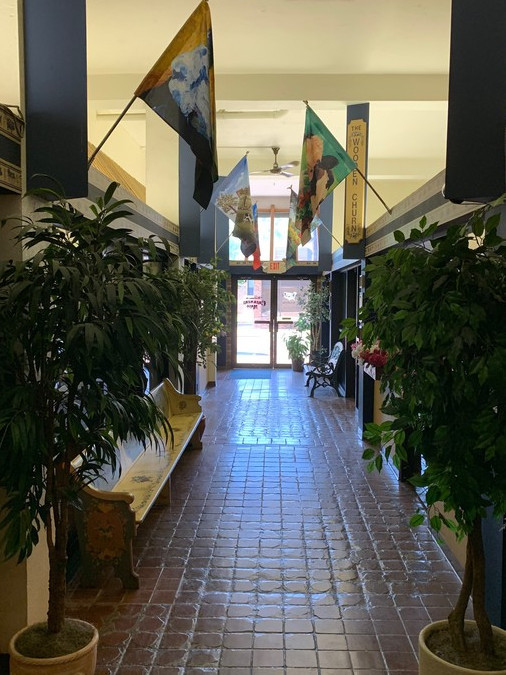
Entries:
{"x":373,"y":355}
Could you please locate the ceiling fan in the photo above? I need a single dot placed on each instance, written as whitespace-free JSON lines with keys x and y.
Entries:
{"x":278,"y":169}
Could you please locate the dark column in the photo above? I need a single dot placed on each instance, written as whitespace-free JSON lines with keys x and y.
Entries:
{"x":475,"y":165}
{"x":55,"y":94}
{"x":189,"y":209}
{"x":324,"y":234}
{"x":365,"y":398}
{"x":494,"y":541}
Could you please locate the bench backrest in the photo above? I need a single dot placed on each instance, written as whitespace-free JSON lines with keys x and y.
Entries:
{"x":130,"y":450}
{"x":335,"y":353}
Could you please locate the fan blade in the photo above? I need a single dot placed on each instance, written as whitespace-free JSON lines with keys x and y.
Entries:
{"x":287,"y":174}
{"x":290,"y":165}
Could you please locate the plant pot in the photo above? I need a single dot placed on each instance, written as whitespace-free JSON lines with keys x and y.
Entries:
{"x":430,"y":664}
{"x":81,"y":662}
{"x":298,"y":365}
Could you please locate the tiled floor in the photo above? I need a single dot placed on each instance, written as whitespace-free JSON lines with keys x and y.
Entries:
{"x":280,"y":554}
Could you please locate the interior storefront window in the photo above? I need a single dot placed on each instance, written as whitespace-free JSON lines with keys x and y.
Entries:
{"x":272,"y":234}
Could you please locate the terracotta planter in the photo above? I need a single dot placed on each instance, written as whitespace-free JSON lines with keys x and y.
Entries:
{"x":82,"y":662}
{"x":430,"y":664}
{"x":298,"y":365}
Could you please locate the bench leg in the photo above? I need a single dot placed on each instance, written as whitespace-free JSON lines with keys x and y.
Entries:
{"x":125,"y":571}
{"x":106,"y":530}
{"x":164,"y":496}
{"x":196,"y":440}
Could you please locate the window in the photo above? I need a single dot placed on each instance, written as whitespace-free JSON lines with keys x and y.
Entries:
{"x":272,"y":234}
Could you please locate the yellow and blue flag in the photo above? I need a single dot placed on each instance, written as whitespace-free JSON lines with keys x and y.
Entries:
{"x":180,"y":89}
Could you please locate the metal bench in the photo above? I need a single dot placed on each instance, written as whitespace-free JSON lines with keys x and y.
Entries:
{"x":326,"y":372}
{"x":113,"y":506}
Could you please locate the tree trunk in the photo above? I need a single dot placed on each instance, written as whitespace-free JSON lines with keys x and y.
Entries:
{"x":472,"y":584}
{"x":457,"y":615}
{"x":480,"y":613}
{"x":58,"y":568}
{"x":190,"y":369}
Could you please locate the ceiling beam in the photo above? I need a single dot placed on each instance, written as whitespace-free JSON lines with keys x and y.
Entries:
{"x":282,"y":87}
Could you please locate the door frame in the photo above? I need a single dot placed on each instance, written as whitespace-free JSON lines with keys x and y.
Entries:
{"x":273,"y":321}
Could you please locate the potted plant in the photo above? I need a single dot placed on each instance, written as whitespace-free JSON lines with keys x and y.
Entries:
{"x":372,"y":358}
{"x":204,"y":302}
{"x":77,"y":315}
{"x":297,"y":348}
{"x":315,"y":309}
{"x":437,"y":304}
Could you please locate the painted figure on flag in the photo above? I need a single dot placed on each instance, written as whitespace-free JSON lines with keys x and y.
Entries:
{"x":233,"y":198}
{"x":324,"y":164}
{"x":180,"y":89}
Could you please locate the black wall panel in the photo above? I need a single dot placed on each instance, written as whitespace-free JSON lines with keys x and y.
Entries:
{"x":55,"y":91}
{"x":475,"y":164}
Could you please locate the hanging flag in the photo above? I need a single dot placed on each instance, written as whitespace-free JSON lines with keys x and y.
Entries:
{"x":293,"y":236}
{"x":324,"y":164}
{"x":233,"y":198}
{"x":180,"y":89}
{"x":257,"y":263}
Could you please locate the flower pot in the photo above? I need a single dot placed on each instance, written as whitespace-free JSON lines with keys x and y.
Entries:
{"x":81,"y":662}
{"x":430,"y":664}
{"x":298,"y":365}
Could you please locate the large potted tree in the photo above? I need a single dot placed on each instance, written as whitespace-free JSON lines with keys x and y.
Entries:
{"x":204,"y":302}
{"x":437,"y":305}
{"x":77,"y":316}
{"x":315,"y":309}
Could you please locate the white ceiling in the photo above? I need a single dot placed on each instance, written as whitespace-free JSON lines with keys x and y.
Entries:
{"x":270,"y":55}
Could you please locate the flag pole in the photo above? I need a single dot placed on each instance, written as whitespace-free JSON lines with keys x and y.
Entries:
{"x":375,"y":192}
{"x":101,"y":144}
{"x":223,"y":244}
{"x":334,"y":238}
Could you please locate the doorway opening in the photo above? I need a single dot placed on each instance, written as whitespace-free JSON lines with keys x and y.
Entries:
{"x":266,"y":311}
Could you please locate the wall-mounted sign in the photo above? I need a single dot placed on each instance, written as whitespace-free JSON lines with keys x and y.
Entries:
{"x":275,"y":267}
{"x":355,"y":192}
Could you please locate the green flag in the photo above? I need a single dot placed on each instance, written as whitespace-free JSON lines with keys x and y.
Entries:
{"x":324,"y":164}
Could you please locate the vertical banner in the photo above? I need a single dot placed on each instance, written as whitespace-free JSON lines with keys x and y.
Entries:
{"x":357,"y":135}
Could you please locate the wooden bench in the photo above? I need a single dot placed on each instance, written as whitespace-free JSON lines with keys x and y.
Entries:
{"x":112,"y":507}
{"x":325,"y":373}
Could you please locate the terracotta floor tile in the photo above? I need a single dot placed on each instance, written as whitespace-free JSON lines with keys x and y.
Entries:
{"x":278,"y":555}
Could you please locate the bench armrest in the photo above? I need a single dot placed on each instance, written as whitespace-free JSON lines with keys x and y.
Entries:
{"x":107,"y":495}
{"x":173,"y":402}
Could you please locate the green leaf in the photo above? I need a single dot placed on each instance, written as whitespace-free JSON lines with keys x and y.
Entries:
{"x":418,"y":481}
{"x":416,"y":520}
{"x":110,"y":192}
{"x":368,"y":454}
{"x":478,"y":227}
{"x":399,"y":236}
{"x":435,"y":523}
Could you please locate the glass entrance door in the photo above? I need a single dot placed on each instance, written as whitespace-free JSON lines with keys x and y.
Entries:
{"x":266,"y":312}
